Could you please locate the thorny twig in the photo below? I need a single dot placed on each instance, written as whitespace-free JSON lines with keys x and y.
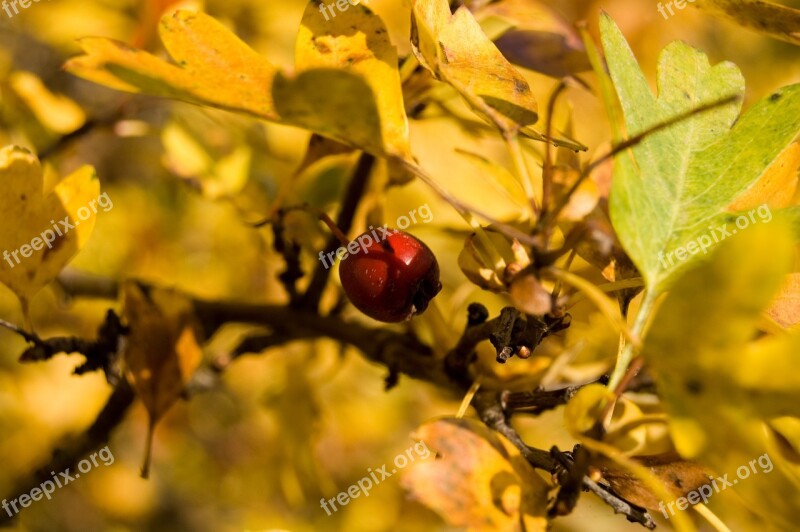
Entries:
{"x":100,"y":353}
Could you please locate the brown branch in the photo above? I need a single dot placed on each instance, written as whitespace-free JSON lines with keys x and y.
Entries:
{"x":402,"y":354}
{"x":101,"y":353}
{"x":538,"y":401}
{"x":490,"y":410}
{"x":633,"y":513}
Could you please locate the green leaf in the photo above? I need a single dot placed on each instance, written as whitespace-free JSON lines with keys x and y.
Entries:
{"x":674,"y":186}
{"x":718,"y":387}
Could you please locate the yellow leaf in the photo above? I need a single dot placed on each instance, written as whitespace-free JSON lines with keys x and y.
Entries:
{"x":215,"y":68}
{"x":57,"y":113}
{"x":474,"y":259}
{"x":345,"y":112}
{"x":479,"y":479}
{"x":584,"y":409}
{"x":455,"y":49}
{"x":367,"y":52}
{"x":42,"y":229}
{"x":162,"y":351}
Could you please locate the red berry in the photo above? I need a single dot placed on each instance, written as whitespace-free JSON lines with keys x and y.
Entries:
{"x":392,"y":279}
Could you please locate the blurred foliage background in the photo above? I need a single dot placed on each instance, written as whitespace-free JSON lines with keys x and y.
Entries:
{"x":282,"y":429}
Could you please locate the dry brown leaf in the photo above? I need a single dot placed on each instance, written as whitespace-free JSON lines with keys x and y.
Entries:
{"x":162,"y":351}
{"x":679,"y":475}
{"x":539,"y":38}
{"x":780,"y":22}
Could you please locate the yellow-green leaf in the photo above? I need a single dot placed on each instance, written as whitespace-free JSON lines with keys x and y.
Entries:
{"x":675,"y":185}
{"x":719,"y":389}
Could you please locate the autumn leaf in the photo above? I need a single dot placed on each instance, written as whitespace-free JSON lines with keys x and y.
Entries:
{"x":360,"y":107}
{"x":162,"y":351}
{"x":56,"y":112}
{"x":678,"y":475}
{"x":676,"y":184}
{"x":42,"y":229}
{"x":478,"y":480}
{"x":775,"y":20}
{"x":211,"y":66}
{"x":368,"y":53}
{"x":455,"y":49}
{"x":537,"y":38}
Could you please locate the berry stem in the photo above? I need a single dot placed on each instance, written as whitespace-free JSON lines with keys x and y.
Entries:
{"x":327,"y":220}
{"x":323,"y":217}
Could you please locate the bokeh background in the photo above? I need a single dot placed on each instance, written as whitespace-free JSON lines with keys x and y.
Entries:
{"x":263,"y":442}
